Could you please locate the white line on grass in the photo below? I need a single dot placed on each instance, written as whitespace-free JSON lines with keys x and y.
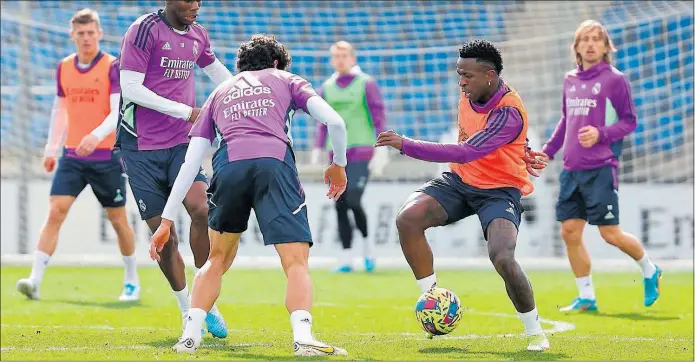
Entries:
{"x":136,"y":347}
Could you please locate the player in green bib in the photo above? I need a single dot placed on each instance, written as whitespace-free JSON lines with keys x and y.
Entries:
{"x":356,"y":97}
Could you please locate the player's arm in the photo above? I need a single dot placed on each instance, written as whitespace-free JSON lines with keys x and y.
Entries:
{"x":624,"y":105}
{"x":202,"y":134}
{"x":503,"y":126}
{"x":108,"y":125}
{"x":321,"y":135}
{"x":58,"y":126}
{"x":212,"y":66}
{"x":557,"y":139}
{"x":318,"y":108}
{"x":134,"y":59}
{"x":377,"y":112}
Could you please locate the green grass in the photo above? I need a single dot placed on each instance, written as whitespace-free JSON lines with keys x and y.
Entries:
{"x":371,"y":316}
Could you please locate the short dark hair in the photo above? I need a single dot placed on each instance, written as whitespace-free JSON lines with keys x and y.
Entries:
{"x":482,"y":51}
{"x":85,"y":16}
{"x":261,"y":52}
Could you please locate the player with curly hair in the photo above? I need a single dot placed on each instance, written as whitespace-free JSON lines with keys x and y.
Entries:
{"x":254,"y":168}
{"x":488,"y":177}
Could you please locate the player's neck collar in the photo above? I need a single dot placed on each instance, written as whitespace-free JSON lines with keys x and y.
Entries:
{"x":162,"y":16}
{"x":591,"y":72}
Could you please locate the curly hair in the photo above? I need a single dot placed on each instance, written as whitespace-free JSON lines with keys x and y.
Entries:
{"x":482,"y":51}
{"x":261,"y":52}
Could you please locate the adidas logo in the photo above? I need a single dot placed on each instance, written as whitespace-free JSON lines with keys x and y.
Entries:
{"x":510,"y":210}
{"x":166,"y":46}
{"x":306,"y":320}
{"x":609,"y":216}
{"x":248,"y":85}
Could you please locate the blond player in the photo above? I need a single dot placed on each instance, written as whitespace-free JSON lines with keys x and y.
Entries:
{"x":85,"y":113}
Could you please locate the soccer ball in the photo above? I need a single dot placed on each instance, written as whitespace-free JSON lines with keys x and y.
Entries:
{"x":439,"y":311}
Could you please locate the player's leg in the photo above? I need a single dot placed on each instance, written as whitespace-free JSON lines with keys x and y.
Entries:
{"x":280,"y":208}
{"x":359,"y":172}
{"x":207,"y":286}
{"x":345,"y":233}
{"x":229,"y":211}
{"x":148,"y":182}
{"x":570,"y":211}
{"x":196,"y":204}
{"x":68,"y":182}
{"x":437,"y":203}
{"x":603,"y":210}
{"x":108,"y":185}
{"x":499,"y":211}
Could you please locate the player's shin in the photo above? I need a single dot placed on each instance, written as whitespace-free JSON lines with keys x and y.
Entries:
{"x":208,"y":280}
{"x":299,"y":294}
{"x":416,"y":250}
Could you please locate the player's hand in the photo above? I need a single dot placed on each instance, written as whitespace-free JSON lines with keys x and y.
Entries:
{"x":87,"y":145}
{"x":194,"y":115}
{"x":336,"y":178}
{"x":49,"y":163}
{"x":390,"y":138}
{"x":160,"y":238}
{"x":535,"y":160}
{"x":588,"y":136}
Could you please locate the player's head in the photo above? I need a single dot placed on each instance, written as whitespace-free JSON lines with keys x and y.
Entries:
{"x":85,"y":30}
{"x":182,"y":12}
{"x":342,"y":57}
{"x":592,"y":43}
{"x":262,"y":52}
{"x":479,"y":66}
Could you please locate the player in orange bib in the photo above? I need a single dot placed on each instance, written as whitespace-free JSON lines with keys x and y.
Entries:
{"x":84,"y":115}
{"x":489,"y":174}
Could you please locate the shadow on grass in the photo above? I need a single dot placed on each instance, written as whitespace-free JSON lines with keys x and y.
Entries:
{"x":516,"y":356}
{"x":633,"y":316}
{"x":109,"y":305}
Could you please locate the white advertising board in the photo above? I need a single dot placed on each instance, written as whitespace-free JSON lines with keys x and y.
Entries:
{"x":660,"y":216}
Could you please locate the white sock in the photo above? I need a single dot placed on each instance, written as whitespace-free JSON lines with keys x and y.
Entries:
{"x":531,"y":322}
{"x":346,"y":257}
{"x":182,"y":298}
{"x":301,"y":326}
{"x":131,"y":270}
{"x":648,"y":268}
{"x":41,"y":260}
{"x":194,"y":324}
{"x":195,"y":271}
{"x":427,"y":283}
{"x":586,"y":288}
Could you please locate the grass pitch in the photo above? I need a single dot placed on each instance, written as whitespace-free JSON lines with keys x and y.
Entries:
{"x":80,"y":318}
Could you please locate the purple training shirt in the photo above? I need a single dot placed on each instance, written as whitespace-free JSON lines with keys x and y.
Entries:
{"x":377,"y":110}
{"x":504,"y":124}
{"x":167,"y":58}
{"x":599,"y":97}
{"x":253,"y":112}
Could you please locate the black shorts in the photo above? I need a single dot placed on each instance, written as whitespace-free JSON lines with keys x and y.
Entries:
{"x":268,"y":186}
{"x":460,"y":200}
{"x":590,"y":195}
{"x":106,"y":179}
{"x":151,"y":175}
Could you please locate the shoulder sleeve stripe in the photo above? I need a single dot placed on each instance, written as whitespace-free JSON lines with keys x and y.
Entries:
{"x":144,"y":31}
{"x":492,"y":129}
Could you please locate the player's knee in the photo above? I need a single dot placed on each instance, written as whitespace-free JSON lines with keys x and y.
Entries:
{"x":611,"y":234}
{"x":409,"y":220}
{"x":199,"y":212}
{"x":293,"y":256}
{"x":117,"y":217}
{"x":57,"y":213}
{"x":571,"y":233}
{"x":353,"y":201}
